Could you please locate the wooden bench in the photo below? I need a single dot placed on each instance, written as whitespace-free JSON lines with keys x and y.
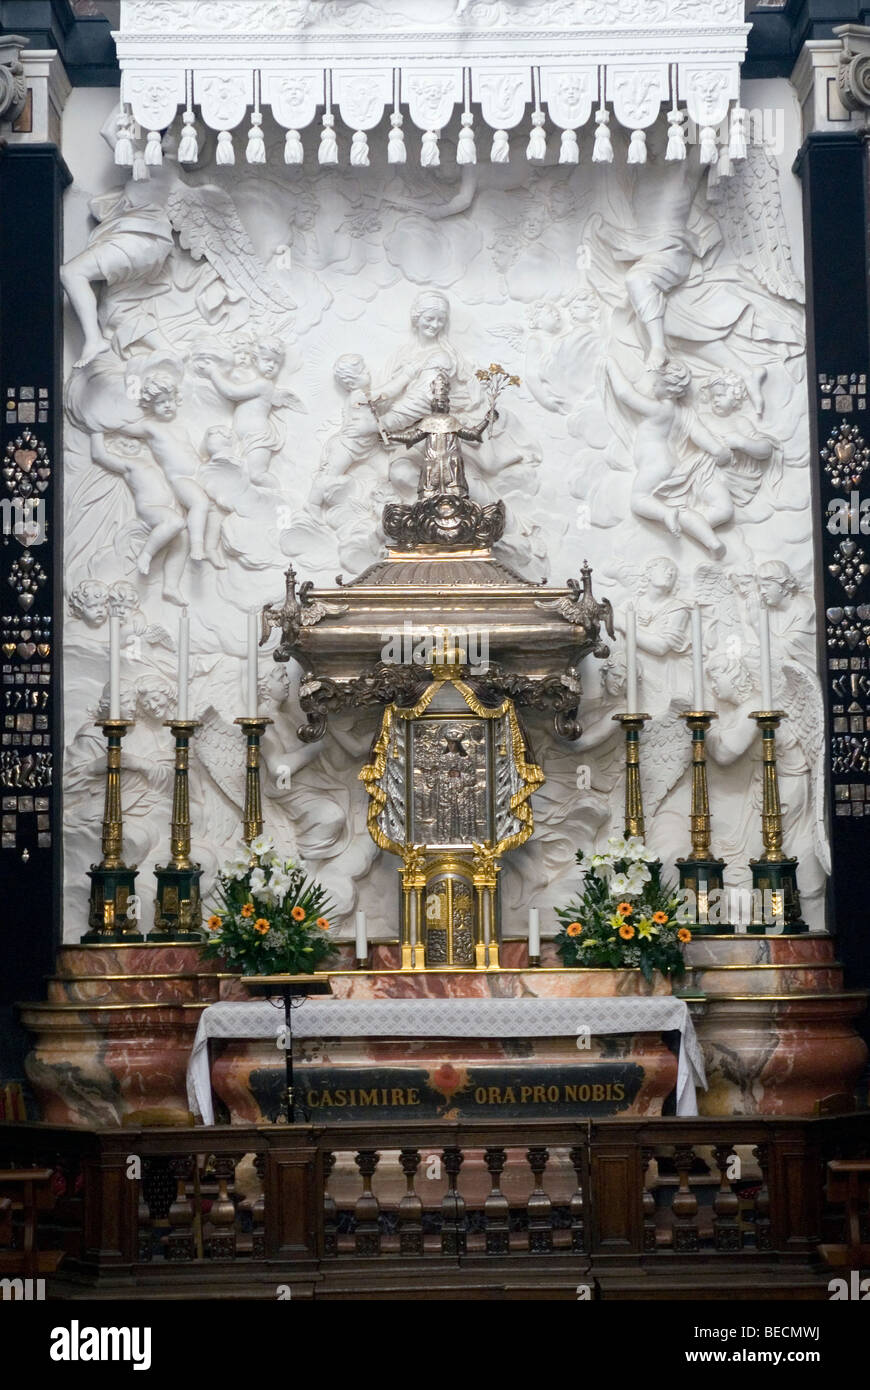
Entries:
{"x":849,"y":1184}
{"x":25,"y":1190}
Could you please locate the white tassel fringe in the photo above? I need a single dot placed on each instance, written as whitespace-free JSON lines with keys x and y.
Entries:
{"x":396,"y":152}
{"x":466,"y":151}
{"x":602,"y":150}
{"x":569,"y":150}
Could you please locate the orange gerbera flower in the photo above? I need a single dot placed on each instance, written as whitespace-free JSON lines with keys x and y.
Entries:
{"x":261,"y":925}
{"x":684,"y":934}
{"x":323,"y":924}
{"x":660,"y":918}
{"x":574,"y":928}
{"x":624,"y":909}
{"x":626,"y":931}
{"x":214,"y":922}
{"x":298,"y":913}
{"x":248,"y":910}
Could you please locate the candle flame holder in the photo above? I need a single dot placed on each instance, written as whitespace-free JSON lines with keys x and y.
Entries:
{"x":178,"y":907}
{"x":774,"y":873}
{"x":700,"y":871}
{"x":113,"y":883}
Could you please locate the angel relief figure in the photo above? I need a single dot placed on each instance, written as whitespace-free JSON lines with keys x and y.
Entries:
{"x":733,"y":316}
{"x":131,"y":242}
{"x":687,"y":490}
{"x":799,"y":753}
{"x":171,"y":447}
{"x":256,"y":396}
{"x":128,"y":251}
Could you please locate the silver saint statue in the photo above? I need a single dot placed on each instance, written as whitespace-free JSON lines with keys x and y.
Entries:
{"x":443,"y":472}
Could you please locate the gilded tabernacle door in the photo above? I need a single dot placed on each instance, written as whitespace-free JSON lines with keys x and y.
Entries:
{"x":450,"y":783}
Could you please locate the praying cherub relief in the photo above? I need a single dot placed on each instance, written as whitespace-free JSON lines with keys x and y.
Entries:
{"x":255,"y":396}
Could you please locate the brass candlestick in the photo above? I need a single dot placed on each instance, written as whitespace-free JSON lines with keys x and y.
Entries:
{"x":253,"y":729}
{"x":774,"y":874}
{"x":112,"y":881}
{"x":701,"y":873}
{"x":632,"y":724}
{"x":178,"y":909}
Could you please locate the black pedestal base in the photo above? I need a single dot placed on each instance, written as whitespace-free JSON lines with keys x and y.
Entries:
{"x":108,"y":919}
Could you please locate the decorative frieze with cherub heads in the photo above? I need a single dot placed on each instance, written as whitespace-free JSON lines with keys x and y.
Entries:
{"x":250,"y":352}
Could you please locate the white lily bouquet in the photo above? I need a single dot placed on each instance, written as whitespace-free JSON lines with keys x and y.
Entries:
{"x":270,"y":917}
{"x":625,"y":915}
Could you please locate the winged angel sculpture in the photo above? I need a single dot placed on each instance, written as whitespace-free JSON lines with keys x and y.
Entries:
{"x":298,"y":611}
{"x":131,"y":382}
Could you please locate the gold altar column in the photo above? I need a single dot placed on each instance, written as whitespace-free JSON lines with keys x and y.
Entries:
{"x":413,"y":944}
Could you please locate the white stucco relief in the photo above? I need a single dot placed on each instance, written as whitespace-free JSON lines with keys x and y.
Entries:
{"x":231,"y":329}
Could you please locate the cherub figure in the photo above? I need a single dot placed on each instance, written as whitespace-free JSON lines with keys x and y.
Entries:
{"x":173,"y":451}
{"x":359,"y":431}
{"x":660,"y":456}
{"x":255,"y":400}
{"x":152,"y":498}
{"x":89,"y":601}
{"x":726,"y":395}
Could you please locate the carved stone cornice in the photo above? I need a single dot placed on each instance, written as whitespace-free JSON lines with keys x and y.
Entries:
{"x":356,"y":59}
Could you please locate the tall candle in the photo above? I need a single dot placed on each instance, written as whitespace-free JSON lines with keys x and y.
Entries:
{"x":183,"y":663}
{"x":697,"y":660}
{"x":534,"y":932}
{"x":252,"y":664}
{"x":630,"y":660}
{"x":114,"y":666}
{"x":362,"y":940}
{"x":764,"y":639}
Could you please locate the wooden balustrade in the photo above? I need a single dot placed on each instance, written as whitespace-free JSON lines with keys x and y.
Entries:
{"x":676,"y":1205}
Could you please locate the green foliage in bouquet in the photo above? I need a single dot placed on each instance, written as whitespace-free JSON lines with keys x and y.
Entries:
{"x":270,"y":918}
{"x":625,"y":916}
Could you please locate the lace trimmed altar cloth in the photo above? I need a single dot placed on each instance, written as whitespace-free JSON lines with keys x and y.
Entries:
{"x":448,"y":1018}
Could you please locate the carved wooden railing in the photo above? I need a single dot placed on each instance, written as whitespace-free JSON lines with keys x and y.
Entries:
{"x":603,"y":1205}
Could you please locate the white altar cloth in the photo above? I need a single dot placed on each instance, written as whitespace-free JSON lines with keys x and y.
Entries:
{"x":448,"y":1018}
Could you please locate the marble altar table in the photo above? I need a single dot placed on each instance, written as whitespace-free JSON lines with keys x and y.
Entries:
{"x":424,"y":1021}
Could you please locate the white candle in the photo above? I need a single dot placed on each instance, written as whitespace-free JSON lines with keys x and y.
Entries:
{"x":630,"y":660}
{"x":764,"y":639}
{"x":362,"y":940}
{"x":252,"y":664}
{"x":183,"y":663}
{"x":697,"y":660}
{"x":114,"y":666}
{"x":534,"y":932}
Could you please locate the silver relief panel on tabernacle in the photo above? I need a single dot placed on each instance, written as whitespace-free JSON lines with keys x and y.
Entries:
{"x":450,"y":802}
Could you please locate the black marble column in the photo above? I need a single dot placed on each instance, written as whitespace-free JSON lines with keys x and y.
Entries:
{"x":32,"y":180}
{"x":833,"y":168}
